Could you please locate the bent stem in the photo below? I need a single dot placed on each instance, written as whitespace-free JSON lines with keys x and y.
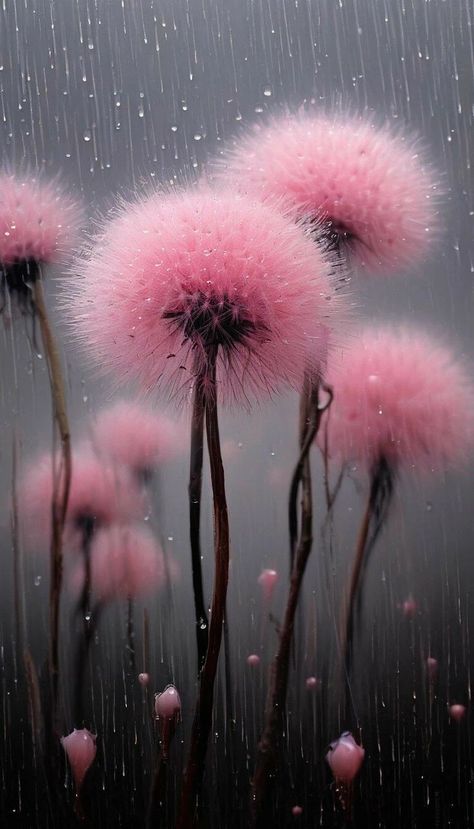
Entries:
{"x":267,"y":749}
{"x":194,"y":491}
{"x":203,"y":715}
{"x":309,"y":425}
{"x":375,"y":513}
{"x":89,"y":623}
{"x":61,"y":487}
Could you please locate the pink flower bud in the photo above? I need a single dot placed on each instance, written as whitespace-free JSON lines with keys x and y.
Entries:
{"x":297,"y":811}
{"x":313,"y":683}
{"x":168,"y":704}
{"x":144,"y":679}
{"x":345,"y":757}
{"x":80,"y":749}
{"x":267,"y":581}
{"x":432,"y":668}
{"x":253,"y":660}
{"x":409,"y":607}
{"x":457,"y":712}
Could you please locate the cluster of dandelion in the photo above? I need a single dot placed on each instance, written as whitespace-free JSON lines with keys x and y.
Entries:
{"x":222,"y":294}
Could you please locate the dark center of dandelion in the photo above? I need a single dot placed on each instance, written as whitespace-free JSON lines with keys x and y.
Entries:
{"x":211,"y":321}
{"x":336,"y":236}
{"x":18,"y":276}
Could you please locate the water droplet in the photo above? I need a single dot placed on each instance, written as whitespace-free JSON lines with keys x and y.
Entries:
{"x":87,"y":135}
{"x":267,"y":92}
{"x":37,"y":581}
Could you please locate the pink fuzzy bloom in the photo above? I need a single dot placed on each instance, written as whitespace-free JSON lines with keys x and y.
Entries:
{"x":135,"y":436}
{"x":373,"y":189}
{"x":100,"y":493}
{"x":126,"y":561}
{"x":403,"y":397}
{"x":38,"y":222}
{"x":174,"y":279}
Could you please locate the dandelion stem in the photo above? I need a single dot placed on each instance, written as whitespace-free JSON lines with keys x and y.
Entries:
{"x":267,"y":748}
{"x":309,"y":400}
{"x":194,"y":490}
{"x":203,"y":714}
{"x":61,"y":487}
{"x":378,"y":502}
{"x":89,"y":625}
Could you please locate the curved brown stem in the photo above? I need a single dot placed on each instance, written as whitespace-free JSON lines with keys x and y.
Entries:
{"x":267,"y":749}
{"x":203,"y":715}
{"x":309,"y":425}
{"x":378,"y":502}
{"x":194,"y":491}
{"x":61,"y":487}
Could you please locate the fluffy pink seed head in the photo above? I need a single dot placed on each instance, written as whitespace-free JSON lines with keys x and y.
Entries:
{"x":126,"y":561}
{"x":80,"y":749}
{"x":38,"y":222}
{"x":136,"y":436}
{"x":173,"y":277}
{"x":99,"y":492}
{"x":372,"y":187}
{"x":402,"y":396}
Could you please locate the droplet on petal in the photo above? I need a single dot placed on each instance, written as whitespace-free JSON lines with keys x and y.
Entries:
{"x":168,"y":704}
{"x":80,"y":749}
{"x":253,"y":660}
{"x":345,"y":757}
{"x":144,"y":679}
{"x":267,"y":581}
{"x":457,"y":712}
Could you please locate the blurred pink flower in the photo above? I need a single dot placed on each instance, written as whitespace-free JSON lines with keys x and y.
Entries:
{"x":136,"y":436}
{"x":100,"y":493}
{"x":38,"y":224}
{"x":372,"y":187}
{"x":401,"y":396}
{"x":126,"y":562}
{"x":173,"y":278}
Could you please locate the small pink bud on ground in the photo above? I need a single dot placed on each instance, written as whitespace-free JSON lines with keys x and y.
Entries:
{"x":297,"y":811}
{"x":267,"y":581}
{"x":313,"y":683}
{"x":80,"y":749}
{"x":457,"y":712}
{"x":253,"y":660}
{"x":144,"y":679}
{"x":409,"y":607}
{"x":345,"y":758}
{"x":432,"y":667}
{"x":168,"y":704}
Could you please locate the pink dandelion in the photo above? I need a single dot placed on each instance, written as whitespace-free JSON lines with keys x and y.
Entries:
{"x":372,"y":190}
{"x":179,"y":287}
{"x":136,"y":437}
{"x":402,"y":396}
{"x":402,"y":401}
{"x":38,"y":225}
{"x":100,"y":495}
